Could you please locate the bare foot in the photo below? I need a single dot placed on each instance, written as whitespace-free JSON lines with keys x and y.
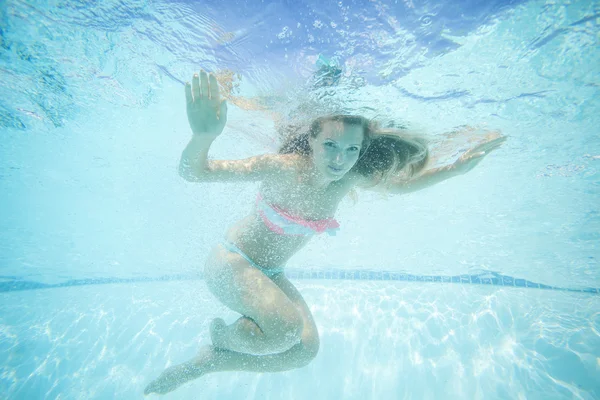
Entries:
{"x":177,"y":375}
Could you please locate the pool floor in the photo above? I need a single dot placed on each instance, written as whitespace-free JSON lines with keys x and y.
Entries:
{"x":379,"y":340}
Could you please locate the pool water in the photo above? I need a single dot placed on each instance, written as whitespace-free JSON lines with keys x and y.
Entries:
{"x":486,"y":286}
{"x":378,"y":340}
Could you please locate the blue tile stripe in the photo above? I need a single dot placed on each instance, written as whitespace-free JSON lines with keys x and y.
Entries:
{"x":13,"y":283}
{"x":484,"y":278}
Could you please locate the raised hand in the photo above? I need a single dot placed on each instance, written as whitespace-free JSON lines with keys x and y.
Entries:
{"x":207,"y":113}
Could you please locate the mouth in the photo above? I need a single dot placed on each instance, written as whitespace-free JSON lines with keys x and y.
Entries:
{"x":335,"y":170}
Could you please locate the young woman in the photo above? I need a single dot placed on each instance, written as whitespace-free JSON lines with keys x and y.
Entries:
{"x":301,"y":188}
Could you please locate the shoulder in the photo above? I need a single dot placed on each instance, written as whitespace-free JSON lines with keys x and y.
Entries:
{"x":361,"y":181}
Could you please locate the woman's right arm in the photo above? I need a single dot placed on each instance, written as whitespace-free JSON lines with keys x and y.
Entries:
{"x":194,"y":165}
{"x":207,"y":116}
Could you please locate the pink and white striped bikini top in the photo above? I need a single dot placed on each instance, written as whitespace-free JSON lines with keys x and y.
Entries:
{"x":282,"y":222}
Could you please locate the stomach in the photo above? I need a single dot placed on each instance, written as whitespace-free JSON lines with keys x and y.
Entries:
{"x":265,"y":247}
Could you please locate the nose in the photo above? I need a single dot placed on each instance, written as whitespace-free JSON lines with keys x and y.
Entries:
{"x":339,"y":158}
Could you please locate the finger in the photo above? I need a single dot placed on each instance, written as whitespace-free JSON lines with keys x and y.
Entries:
{"x":494,"y":134}
{"x":188,"y":93}
{"x":498,"y":140}
{"x":223,"y":112}
{"x":214,"y":89}
{"x":473,"y":155}
{"x":196,"y":86}
{"x":491,"y":145}
{"x":203,"y":84}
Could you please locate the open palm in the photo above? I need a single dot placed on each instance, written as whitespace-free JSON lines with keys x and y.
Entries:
{"x":207,"y":113}
{"x":474,"y":155}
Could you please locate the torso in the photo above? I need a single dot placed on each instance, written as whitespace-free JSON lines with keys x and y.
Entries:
{"x":292,"y":192}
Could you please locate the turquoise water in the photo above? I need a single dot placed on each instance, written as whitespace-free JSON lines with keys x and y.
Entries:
{"x":102,"y":243}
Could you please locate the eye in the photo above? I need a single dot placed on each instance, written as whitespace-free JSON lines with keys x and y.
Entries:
{"x":354,"y":148}
{"x":329,"y":144}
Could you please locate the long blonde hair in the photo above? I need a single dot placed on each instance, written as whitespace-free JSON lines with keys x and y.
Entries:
{"x":384,"y":152}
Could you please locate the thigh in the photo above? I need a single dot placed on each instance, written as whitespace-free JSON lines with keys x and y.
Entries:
{"x":247,"y":290}
{"x":310,"y":332}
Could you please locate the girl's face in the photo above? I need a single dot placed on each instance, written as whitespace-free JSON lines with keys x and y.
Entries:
{"x":336,"y":149}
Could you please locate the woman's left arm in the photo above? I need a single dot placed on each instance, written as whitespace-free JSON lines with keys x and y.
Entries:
{"x":431,"y":176}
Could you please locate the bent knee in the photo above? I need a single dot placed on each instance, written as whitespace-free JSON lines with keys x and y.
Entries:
{"x":292,"y":325}
{"x":310,"y":349}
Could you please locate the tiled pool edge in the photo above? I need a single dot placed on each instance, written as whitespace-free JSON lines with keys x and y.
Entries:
{"x":13,"y":284}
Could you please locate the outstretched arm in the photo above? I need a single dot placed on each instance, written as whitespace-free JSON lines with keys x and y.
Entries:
{"x":431,"y":176}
